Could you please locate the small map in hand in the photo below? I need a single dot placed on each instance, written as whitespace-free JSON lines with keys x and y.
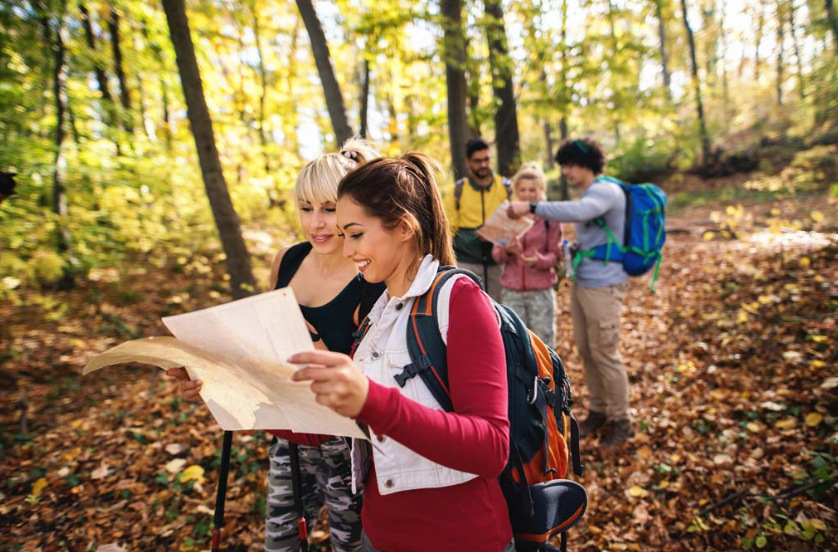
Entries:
{"x":500,"y":229}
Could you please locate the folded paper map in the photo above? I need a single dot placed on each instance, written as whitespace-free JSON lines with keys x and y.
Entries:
{"x":239,"y":350}
{"x":500,"y":229}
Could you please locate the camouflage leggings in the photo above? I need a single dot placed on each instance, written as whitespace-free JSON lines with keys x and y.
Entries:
{"x":326,"y":478}
{"x":537,"y":309}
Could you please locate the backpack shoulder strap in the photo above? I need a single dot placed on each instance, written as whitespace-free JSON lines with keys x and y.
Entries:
{"x":458,"y":192}
{"x":425,"y":345}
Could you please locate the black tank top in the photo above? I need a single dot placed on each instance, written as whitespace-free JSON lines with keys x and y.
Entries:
{"x":334,"y":320}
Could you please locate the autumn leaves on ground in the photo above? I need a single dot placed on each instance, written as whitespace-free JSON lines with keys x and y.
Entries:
{"x":734,"y":385}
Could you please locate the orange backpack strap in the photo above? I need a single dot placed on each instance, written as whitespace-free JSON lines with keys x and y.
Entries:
{"x":425,"y":344}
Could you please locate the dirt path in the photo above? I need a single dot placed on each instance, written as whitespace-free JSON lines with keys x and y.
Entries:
{"x":733,"y":374}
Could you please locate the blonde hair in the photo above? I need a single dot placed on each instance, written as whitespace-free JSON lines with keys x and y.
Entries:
{"x":319,"y":179}
{"x":531,"y":171}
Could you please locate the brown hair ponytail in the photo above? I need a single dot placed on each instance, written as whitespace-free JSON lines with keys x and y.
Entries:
{"x":404,"y":190}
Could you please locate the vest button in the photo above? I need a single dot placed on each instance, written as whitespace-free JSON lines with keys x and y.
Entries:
{"x":399,"y":306}
{"x":389,"y":483}
{"x":381,"y":438}
{"x":375,"y":355}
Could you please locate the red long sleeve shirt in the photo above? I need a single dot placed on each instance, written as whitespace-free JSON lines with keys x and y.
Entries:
{"x":474,"y":438}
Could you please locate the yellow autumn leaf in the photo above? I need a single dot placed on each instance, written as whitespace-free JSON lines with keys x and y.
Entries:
{"x":644,"y":452}
{"x":813,"y":419}
{"x":39,"y":486}
{"x":788,"y":423}
{"x":754,"y":427}
{"x":818,"y":524}
{"x":737,"y":211}
{"x":817,"y":216}
{"x":637,"y":491}
{"x":805,"y":262}
{"x":819,"y":338}
{"x":71,"y":454}
{"x":741,"y":317}
{"x":707,"y":236}
{"x":195,"y":472}
{"x":817,"y":364}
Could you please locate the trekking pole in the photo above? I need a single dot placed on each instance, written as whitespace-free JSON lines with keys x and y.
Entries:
{"x":221,"y":494}
{"x":296,"y":485}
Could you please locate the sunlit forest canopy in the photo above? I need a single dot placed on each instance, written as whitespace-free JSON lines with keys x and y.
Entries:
{"x":93,"y":118}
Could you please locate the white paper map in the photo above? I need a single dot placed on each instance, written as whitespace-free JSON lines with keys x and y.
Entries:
{"x":499,"y":228}
{"x":239,"y":351}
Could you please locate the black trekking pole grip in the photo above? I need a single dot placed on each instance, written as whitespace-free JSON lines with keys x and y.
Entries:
{"x":221,"y":494}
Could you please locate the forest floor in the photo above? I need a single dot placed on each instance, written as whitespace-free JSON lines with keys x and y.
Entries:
{"x":734,"y":390}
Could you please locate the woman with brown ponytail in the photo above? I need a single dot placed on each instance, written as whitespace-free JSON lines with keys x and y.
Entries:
{"x":430,"y":476}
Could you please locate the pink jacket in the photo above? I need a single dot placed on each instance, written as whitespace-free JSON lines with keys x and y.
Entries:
{"x":537,"y":241}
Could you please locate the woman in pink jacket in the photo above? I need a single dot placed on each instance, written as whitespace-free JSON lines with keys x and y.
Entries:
{"x":529,"y":272}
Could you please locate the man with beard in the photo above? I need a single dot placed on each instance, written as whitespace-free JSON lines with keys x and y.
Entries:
{"x":474,"y":199}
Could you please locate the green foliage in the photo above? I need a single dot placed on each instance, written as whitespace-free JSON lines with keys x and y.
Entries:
{"x":134,"y":191}
{"x":642,"y":160}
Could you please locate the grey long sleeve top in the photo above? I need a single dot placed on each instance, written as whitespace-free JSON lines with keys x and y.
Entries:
{"x":601,"y":199}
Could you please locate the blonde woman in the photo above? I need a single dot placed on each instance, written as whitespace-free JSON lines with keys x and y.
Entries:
{"x":529,"y":273}
{"x":333,"y":300}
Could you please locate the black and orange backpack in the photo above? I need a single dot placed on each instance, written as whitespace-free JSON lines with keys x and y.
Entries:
{"x":544,"y":435}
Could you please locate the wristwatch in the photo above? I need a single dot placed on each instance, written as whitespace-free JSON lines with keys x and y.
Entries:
{"x":533,"y":206}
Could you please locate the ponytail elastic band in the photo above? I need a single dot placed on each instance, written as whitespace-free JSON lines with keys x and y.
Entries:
{"x":581,"y":147}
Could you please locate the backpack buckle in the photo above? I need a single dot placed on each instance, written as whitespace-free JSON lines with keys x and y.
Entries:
{"x":411,"y":370}
{"x":534,"y":396}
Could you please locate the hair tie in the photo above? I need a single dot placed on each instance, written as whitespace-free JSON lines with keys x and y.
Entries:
{"x":581,"y":147}
{"x":351,"y":155}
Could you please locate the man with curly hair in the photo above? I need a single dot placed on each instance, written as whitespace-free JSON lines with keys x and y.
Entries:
{"x":599,"y":286}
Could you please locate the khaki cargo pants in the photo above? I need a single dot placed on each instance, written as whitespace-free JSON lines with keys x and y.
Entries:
{"x":596,"y":328}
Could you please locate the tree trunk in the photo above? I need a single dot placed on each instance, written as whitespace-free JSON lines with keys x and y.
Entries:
{"x":667,"y":77}
{"x":99,"y":71}
{"x":290,"y":120}
{"x":473,"y":93}
{"x":780,"y":51}
{"x":725,"y":82}
{"x":564,"y":184}
{"x":167,"y":118}
{"x":565,"y":100}
{"x":800,"y":78}
{"x":323,"y":60}
{"x":108,"y":107}
{"x":832,"y":19}
{"x":365,"y":97}
{"x":506,"y":114}
{"x":454,"y":51}
{"x":760,"y":28}
{"x":263,"y":83}
{"x":238,"y":260}
{"x":119,"y":69}
{"x":548,"y":143}
{"x":56,"y":39}
{"x":705,"y":139}
{"x":710,"y":46}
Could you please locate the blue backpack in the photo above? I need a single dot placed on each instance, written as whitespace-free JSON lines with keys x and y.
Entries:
{"x":644,"y":234}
